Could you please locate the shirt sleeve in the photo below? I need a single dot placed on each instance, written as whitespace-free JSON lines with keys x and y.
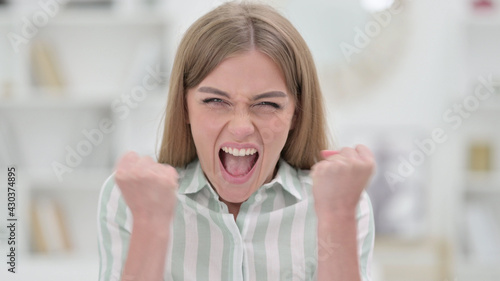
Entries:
{"x":365,"y":236}
{"x":113,"y":229}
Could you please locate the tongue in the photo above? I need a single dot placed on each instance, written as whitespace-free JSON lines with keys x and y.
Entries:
{"x":238,"y":165}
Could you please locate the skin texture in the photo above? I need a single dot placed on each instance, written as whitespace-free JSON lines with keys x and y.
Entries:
{"x":224,"y":109}
{"x":238,"y":117}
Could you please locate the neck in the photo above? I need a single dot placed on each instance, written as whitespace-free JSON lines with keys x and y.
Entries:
{"x":233,"y":208}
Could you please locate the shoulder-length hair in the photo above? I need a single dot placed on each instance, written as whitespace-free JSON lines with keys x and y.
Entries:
{"x":228,"y":30}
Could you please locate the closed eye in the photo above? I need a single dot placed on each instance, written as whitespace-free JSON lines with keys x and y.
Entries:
{"x":270,"y":104}
{"x":209,"y":100}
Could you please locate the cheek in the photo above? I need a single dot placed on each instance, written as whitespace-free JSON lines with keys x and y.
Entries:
{"x":210,"y":123}
{"x":205,"y":127}
{"x":274,"y":131}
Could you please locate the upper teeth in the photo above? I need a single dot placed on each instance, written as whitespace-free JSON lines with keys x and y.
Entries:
{"x":239,"y":152}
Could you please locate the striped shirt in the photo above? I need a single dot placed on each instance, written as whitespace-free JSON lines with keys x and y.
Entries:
{"x":274,"y":236}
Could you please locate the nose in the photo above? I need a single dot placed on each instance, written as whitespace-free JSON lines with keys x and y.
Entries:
{"x":241,"y":125}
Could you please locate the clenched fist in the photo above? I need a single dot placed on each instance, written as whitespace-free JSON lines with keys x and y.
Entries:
{"x":149,"y":188}
{"x":340,"y":177}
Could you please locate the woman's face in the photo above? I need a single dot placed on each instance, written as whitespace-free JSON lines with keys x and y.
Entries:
{"x":240,"y":116}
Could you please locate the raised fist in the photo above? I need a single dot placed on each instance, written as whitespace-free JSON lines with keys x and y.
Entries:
{"x":149,"y":188}
{"x":340,"y":177}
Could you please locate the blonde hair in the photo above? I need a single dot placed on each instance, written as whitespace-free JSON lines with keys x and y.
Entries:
{"x":230,"y":29}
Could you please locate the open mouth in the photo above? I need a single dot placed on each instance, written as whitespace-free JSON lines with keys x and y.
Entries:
{"x":238,"y":162}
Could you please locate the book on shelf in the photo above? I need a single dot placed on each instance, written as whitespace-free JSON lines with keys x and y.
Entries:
{"x":49,"y":230}
{"x":480,"y":156}
{"x":45,"y":69}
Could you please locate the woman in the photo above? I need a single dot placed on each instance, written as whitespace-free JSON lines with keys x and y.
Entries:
{"x":254,"y":195}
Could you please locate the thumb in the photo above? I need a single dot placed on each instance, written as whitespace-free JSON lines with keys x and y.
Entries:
{"x":327,"y":153}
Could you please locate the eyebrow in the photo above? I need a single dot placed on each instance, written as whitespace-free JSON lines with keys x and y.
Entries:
{"x":272,"y":94}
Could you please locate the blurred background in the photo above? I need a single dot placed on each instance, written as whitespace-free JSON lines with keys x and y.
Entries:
{"x":83,"y":81}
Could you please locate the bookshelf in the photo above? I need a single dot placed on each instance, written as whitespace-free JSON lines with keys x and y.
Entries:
{"x":96,"y":104}
{"x":477,"y":242}
{"x":478,"y":249}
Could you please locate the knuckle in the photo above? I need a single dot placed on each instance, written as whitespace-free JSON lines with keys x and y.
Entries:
{"x":121,"y":175}
{"x":361,"y":146}
{"x":369,"y":163}
{"x":343,"y":165}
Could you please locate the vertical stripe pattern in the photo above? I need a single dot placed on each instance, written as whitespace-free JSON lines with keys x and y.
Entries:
{"x":273,"y":238}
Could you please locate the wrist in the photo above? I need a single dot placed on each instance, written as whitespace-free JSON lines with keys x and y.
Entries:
{"x":331,"y":219}
{"x":144,"y":215}
{"x":159,"y":226}
{"x":343,"y":213}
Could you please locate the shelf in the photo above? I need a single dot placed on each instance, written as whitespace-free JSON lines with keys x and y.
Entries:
{"x":71,"y":101}
{"x":79,"y":179}
{"x":482,"y":182}
{"x":486,"y":184}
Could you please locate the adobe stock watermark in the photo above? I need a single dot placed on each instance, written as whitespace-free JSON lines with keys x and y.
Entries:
{"x":453,"y":116}
{"x":30,"y":26}
{"x":121,"y":106}
{"x":372,"y":29}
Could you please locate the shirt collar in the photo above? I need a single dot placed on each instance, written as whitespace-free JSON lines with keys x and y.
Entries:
{"x":194,"y":180}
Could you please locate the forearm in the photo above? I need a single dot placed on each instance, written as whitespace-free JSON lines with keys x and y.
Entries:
{"x":337,"y":247}
{"x":147,"y":252}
